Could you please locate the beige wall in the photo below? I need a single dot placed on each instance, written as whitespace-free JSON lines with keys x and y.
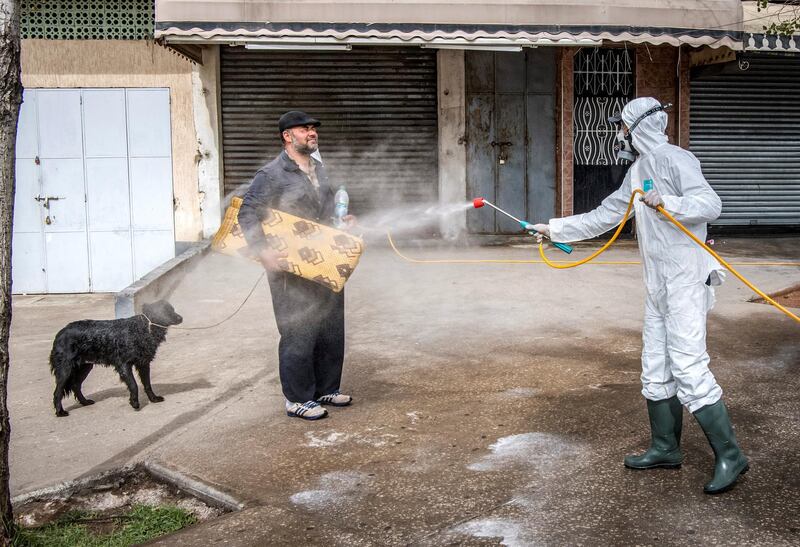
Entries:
{"x":636,"y":13}
{"x":207,"y":108}
{"x":119,"y":63}
{"x":755,"y":18}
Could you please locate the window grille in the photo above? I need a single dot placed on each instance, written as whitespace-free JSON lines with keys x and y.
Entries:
{"x":604,"y":82}
{"x":87,"y":19}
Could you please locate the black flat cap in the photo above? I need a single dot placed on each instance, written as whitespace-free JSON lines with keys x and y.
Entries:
{"x":295,"y":118}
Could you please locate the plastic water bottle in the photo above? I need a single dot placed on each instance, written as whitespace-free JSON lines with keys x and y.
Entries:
{"x":341,"y":200}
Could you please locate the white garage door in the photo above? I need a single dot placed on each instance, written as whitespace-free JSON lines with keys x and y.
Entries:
{"x":94,"y":205}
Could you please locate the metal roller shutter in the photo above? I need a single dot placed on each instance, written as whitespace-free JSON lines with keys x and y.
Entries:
{"x":745,"y":130}
{"x":378,"y":113}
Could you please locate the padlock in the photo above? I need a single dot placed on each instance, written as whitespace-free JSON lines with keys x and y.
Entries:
{"x":47,"y":220}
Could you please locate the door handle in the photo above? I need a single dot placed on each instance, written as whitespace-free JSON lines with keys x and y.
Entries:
{"x":503,"y":155}
{"x":47,"y":200}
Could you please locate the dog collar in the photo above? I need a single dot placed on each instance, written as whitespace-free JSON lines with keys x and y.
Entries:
{"x":151,"y":323}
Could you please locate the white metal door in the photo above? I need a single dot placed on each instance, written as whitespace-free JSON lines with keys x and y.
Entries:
{"x":94,"y":189}
{"x":27,"y":257}
{"x":150,"y":168}
{"x":107,"y":189}
{"x":61,"y":156}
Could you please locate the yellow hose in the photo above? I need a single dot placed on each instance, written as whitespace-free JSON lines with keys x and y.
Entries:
{"x":546,"y":261}
{"x":563,"y":264}
{"x":681,"y":227}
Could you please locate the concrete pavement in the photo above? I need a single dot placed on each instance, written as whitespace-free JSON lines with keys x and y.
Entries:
{"x":493,"y":403}
{"x":194,"y":370}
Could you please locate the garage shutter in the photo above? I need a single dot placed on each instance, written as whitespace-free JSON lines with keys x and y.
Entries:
{"x":378,"y":113}
{"x":745,"y":129}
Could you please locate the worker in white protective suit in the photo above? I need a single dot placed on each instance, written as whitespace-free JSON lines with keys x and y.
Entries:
{"x":678,"y":275}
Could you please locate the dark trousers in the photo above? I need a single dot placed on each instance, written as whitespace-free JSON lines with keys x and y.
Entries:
{"x":310,"y":320}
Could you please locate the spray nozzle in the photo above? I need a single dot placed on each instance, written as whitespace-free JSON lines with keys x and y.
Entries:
{"x":527,"y":226}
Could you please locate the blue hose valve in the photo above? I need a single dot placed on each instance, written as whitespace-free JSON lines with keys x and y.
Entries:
{"x":563,"y":246}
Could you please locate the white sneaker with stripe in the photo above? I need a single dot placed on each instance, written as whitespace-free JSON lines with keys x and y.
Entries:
{"x":335,"y":399}
{"x":310,"y":410}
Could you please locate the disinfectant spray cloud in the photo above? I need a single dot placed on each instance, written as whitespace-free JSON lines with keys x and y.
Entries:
{"x":409,"y":219}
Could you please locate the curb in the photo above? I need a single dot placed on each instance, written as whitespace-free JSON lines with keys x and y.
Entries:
{"x":112,"y":479}
{"x":787,"y":290}
{"x":159,"y":282}
{"x":63,"y":490}
{"x":198,"y":489}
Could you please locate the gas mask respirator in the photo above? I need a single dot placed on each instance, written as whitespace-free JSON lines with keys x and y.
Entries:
{"x":625,"y":149}
{"x":624,"y":145}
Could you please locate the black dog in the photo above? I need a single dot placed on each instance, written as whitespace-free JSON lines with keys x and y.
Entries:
{"x":124,"y":344}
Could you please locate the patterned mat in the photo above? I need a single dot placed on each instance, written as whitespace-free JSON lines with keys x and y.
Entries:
{"x":316,"y":252}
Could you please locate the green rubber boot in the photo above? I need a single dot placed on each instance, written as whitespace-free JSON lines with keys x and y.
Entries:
{"x":730,"y":462}
{"x":666,"y":423}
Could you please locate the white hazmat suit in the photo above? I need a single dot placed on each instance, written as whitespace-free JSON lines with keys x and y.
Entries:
{"x":676,"y":270}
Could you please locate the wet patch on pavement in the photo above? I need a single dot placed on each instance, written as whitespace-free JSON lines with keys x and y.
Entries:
{"x":334,"y":490}
{"x":538,"y":451}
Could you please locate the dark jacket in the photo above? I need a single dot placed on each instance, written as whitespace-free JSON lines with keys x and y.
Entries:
{"x":281,"y":185}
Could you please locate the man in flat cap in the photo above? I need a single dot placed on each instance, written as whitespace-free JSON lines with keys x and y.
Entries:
{"x":310,"y":317}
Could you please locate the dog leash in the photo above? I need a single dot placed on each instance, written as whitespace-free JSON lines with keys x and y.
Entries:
{"x":260,"y":277}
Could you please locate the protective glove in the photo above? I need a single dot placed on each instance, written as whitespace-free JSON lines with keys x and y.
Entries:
{"x":542,"y":230}
{"x":653,"y":199}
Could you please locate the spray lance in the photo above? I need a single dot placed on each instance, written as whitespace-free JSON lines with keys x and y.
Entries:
{"x":527,"y":226}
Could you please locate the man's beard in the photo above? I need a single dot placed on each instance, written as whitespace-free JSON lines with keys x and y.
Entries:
{"x":305,"y":149}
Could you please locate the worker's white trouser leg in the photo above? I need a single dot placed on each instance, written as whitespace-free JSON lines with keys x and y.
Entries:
{"x":674,"y":357}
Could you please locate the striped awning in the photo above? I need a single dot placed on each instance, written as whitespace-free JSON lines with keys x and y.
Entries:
{"x":451,"y":23}
{"x":433,"y":35}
